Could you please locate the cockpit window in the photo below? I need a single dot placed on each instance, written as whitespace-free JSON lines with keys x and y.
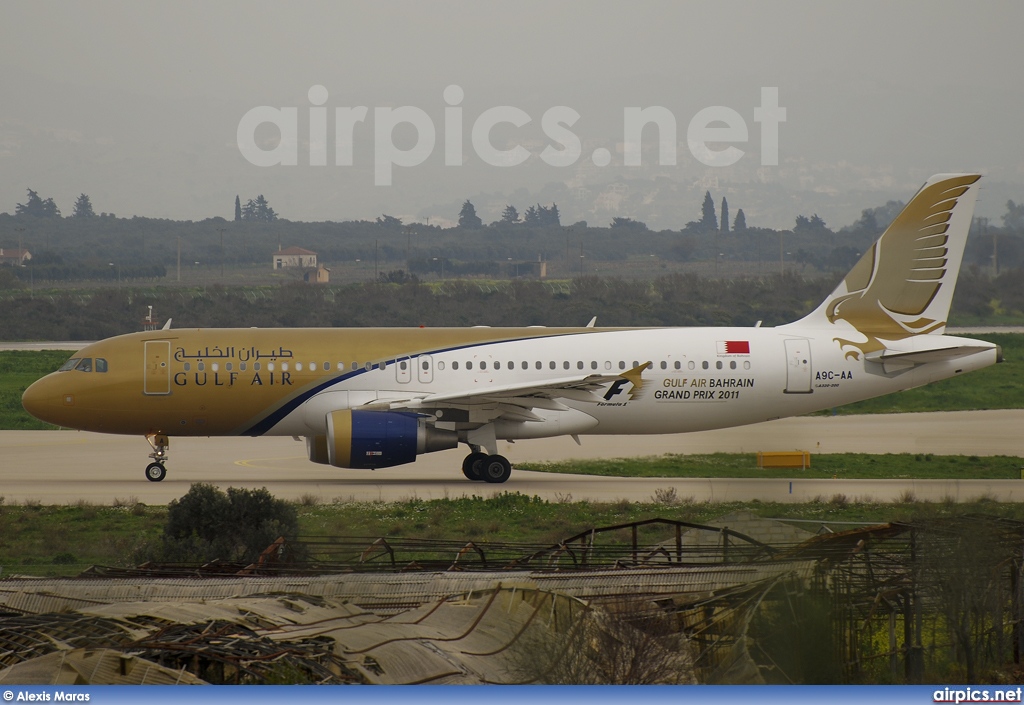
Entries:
{"x":69,"y":365}
{"x":85,"y":365}
{"x":101,"y":364}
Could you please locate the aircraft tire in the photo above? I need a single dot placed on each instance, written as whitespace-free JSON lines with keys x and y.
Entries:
{"x":497,"y":469}
{"x":155,"y":472}
{"x":472,"y":466}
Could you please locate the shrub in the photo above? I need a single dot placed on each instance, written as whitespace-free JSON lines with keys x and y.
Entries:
{"x":207,"y":524}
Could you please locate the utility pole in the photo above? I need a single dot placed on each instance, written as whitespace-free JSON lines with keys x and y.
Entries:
{"x":568,"y":262}
{"x":995,"y":249}
{"x":221,"y":231}
{"x":409,"y":232}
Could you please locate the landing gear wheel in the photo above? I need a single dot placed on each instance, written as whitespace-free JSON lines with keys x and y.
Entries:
{"x":496,"y":469}
{"x":155,"y":472}
{"x":473,"y":466}
{"x":159,"y":442}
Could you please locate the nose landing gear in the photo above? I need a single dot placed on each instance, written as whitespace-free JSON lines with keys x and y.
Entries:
{"x":159,"y":442}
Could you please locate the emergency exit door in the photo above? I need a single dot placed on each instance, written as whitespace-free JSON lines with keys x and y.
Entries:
{"x":798,"y":366}
{"x":158,"y":367}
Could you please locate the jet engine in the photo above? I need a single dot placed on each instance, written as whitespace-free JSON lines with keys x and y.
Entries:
{"x":376,"y":439}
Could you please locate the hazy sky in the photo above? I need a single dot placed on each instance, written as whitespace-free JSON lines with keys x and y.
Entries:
{"x":139,"y":104}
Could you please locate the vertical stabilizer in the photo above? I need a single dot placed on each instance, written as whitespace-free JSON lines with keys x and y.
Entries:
{"x":903,"y":285}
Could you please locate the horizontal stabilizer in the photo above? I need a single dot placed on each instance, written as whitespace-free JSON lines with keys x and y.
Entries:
{"x":920,"y":357}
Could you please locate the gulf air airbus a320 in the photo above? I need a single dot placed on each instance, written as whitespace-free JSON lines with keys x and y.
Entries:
{"x":378,"y":397}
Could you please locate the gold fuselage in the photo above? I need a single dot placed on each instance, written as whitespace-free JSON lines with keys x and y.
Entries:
{"x":208,"y":382}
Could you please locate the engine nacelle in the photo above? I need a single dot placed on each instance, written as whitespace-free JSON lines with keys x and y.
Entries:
{"x":376,"y":439}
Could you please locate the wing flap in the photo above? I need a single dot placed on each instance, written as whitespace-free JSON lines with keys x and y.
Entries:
{"x":512,"y":401}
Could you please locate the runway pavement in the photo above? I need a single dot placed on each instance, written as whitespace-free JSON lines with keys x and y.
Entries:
{"x":58,"y":467}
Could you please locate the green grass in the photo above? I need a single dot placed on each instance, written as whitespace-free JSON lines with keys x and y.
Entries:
{"x":63,"y":540}
{"x":840,"y":465}
{"x":19,"y":369}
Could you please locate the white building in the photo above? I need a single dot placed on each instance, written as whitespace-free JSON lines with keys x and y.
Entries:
{"x":294,"y":257}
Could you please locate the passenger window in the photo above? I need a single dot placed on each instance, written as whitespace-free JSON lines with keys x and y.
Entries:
{"x":526,"y":365}
{"x":69,"y":365}
{"x":511,"y":365}
{"x":718,"y":365}
{"x":664,"y":365}
{"x":242,"y":366}
{"x":256,"y":366}
{"x":188,"y":366}
{"x":440,"y":364}
{"x":483,"y":364}
{"x":579,"y":365}
{"x":403,"y":365}
{"x":565,"y":365}
{"x":85,"y":365}
{"x":327,"y":367}
{"x":552,"y":365}
{"x":539,"y":365}
{"x":455,"y":365}
{"x":593,"y":364}
{"x":732,"y":364}
{"x":704,"y":364}
{"x":691,"y":364}
{"x":622,"y":364}
{"x":469,"y":365}
{"x":101,"y":364}
{"x":746,"y":364}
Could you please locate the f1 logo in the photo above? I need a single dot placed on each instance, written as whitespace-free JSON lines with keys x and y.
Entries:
{"x":616,"y":388}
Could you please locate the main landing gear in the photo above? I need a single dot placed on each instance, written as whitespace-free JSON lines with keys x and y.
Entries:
{"x":159,"y":442}
{"x":489,"y":468}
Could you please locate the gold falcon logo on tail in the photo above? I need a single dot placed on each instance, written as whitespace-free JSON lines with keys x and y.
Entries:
{"x":885,"y":296}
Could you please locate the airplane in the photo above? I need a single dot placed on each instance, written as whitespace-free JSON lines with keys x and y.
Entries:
{"x":379,"y":397}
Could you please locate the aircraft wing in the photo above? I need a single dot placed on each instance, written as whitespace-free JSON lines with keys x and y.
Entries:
{"x":514,"y":402}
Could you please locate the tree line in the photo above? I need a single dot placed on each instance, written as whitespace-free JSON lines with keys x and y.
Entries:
{"x":80,"y":246}
{"x":402,"y":300}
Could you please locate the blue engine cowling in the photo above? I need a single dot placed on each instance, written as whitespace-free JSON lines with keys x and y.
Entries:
{"x":376,"y":439}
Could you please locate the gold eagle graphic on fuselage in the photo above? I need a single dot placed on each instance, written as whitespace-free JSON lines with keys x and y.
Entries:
{"x":895,"y":281}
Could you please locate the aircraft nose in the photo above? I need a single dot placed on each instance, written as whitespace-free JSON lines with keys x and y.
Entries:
{"x":43,"y":401}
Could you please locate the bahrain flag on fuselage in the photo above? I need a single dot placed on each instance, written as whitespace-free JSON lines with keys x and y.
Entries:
{"x":733,"y":347}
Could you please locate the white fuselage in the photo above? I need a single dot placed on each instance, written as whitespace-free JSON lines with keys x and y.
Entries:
{"x":694,"y":381}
